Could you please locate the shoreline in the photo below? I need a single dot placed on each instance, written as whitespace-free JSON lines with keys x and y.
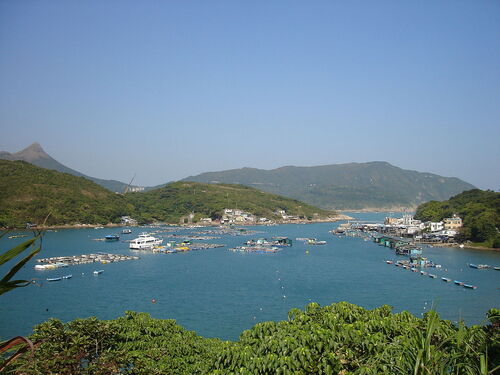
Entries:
{"x":333,"y":219}
{"x":471,"y":247}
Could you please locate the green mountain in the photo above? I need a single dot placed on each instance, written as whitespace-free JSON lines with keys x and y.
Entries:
{"x":375,"y":185}
{"x":35,"y":155}
{"x":178,"y":199}
{"x":29,"y":193}
{"x":479,"y":210}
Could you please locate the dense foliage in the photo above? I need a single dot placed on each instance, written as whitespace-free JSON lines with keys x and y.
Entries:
{"x":337,"y":339}
{"x":345,"y":186}
{"x":29,"y":193}
{"x":178,"y":199}
{"x":479,"y":210}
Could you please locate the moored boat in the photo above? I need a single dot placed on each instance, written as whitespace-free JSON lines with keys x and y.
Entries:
{"x":458,"y":282}
{"x":468,"y":286}
{"x":54,"y":279}
{"x":126,"y":231}
{"x":98,"y":272}
{"x":432,"y":276}
{"x":473,"y":265}
{"x":112,"y":237}
{"x":145,"y":241}
{"x":389,"y":261}
{"x":67,"y":276}
{"x":446,"y":279}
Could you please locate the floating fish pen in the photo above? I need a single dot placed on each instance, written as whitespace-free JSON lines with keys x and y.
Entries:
{"x":57,"y":262}
{"x":256,"y":249}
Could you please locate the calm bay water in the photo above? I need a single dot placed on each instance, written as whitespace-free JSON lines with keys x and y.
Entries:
{"x":219,"y":293}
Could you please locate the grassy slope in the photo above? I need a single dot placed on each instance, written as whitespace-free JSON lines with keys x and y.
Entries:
{"x":180,"y":198}
{"x":29,"y":193}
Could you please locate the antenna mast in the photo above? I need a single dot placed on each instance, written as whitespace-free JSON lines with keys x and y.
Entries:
{"x":128,"y":186}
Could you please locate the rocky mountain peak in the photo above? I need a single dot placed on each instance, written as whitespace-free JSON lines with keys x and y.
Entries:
{"x":32,"y":153}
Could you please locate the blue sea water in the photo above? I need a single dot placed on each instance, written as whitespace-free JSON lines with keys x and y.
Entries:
{"x":219,"y":293}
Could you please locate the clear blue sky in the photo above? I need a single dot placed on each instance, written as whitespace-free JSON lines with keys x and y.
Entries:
{"x":167,"y":89}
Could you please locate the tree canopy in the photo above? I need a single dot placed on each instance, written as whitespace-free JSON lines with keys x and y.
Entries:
{"x":479,"y":210}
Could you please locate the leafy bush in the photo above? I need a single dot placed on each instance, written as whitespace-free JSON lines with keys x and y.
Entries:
{"x":338,"y":339}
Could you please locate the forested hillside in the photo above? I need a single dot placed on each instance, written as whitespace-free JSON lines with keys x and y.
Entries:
{"x":178,"y":199}
{"x":372,"y":185}
{"x":479,"y":210}
{"x":30,"y":194}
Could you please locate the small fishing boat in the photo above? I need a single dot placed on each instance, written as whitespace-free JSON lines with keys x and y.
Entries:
{"x":458,"y":282}
{"x":112,"y":237}
{"x":55,"y":279}
{"x":446,"y":279}
{"x":432,"y":276}
{"x":18,"y":236}
{"x":67,"y":277}
{"x":98,"y":272}
{"x":470,"y":286}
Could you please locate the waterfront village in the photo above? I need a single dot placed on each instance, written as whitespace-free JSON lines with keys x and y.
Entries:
{"x":444,"y":231}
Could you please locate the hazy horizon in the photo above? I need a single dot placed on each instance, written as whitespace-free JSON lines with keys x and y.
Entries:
{"x":165,"y":90}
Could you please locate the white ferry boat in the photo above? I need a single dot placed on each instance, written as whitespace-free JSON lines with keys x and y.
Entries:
{"x":145,"y":241}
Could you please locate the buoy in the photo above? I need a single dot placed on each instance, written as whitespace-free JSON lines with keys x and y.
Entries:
{"x":153,"y":300}
{"x":307,"y":251}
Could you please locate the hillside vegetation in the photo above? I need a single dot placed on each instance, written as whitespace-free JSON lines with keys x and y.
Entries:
{"x":178,"y":199}
{"x":345,"y":186}
{"x":34,"y":154}
{"x":479,"y":210}
{"x":337,"y":339}
{"x":29,"y":193}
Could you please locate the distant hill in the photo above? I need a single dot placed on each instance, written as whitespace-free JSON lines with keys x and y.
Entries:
{"x":29,"y":193}
{"x":34,"y":154}
{"x":178,"y":199}
{"x":479,"y":210}
{"x":373,"y":185}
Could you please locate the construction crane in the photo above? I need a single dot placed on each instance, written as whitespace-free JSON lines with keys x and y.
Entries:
{"x":128,"y":186}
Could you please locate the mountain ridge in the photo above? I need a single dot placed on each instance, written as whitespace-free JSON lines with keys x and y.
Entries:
{"x":36,"y":155}
{"x":376,"y":184}
{"x":29,"y":193}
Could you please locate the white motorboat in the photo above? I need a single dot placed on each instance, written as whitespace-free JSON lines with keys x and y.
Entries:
{"x":145,"y":242}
